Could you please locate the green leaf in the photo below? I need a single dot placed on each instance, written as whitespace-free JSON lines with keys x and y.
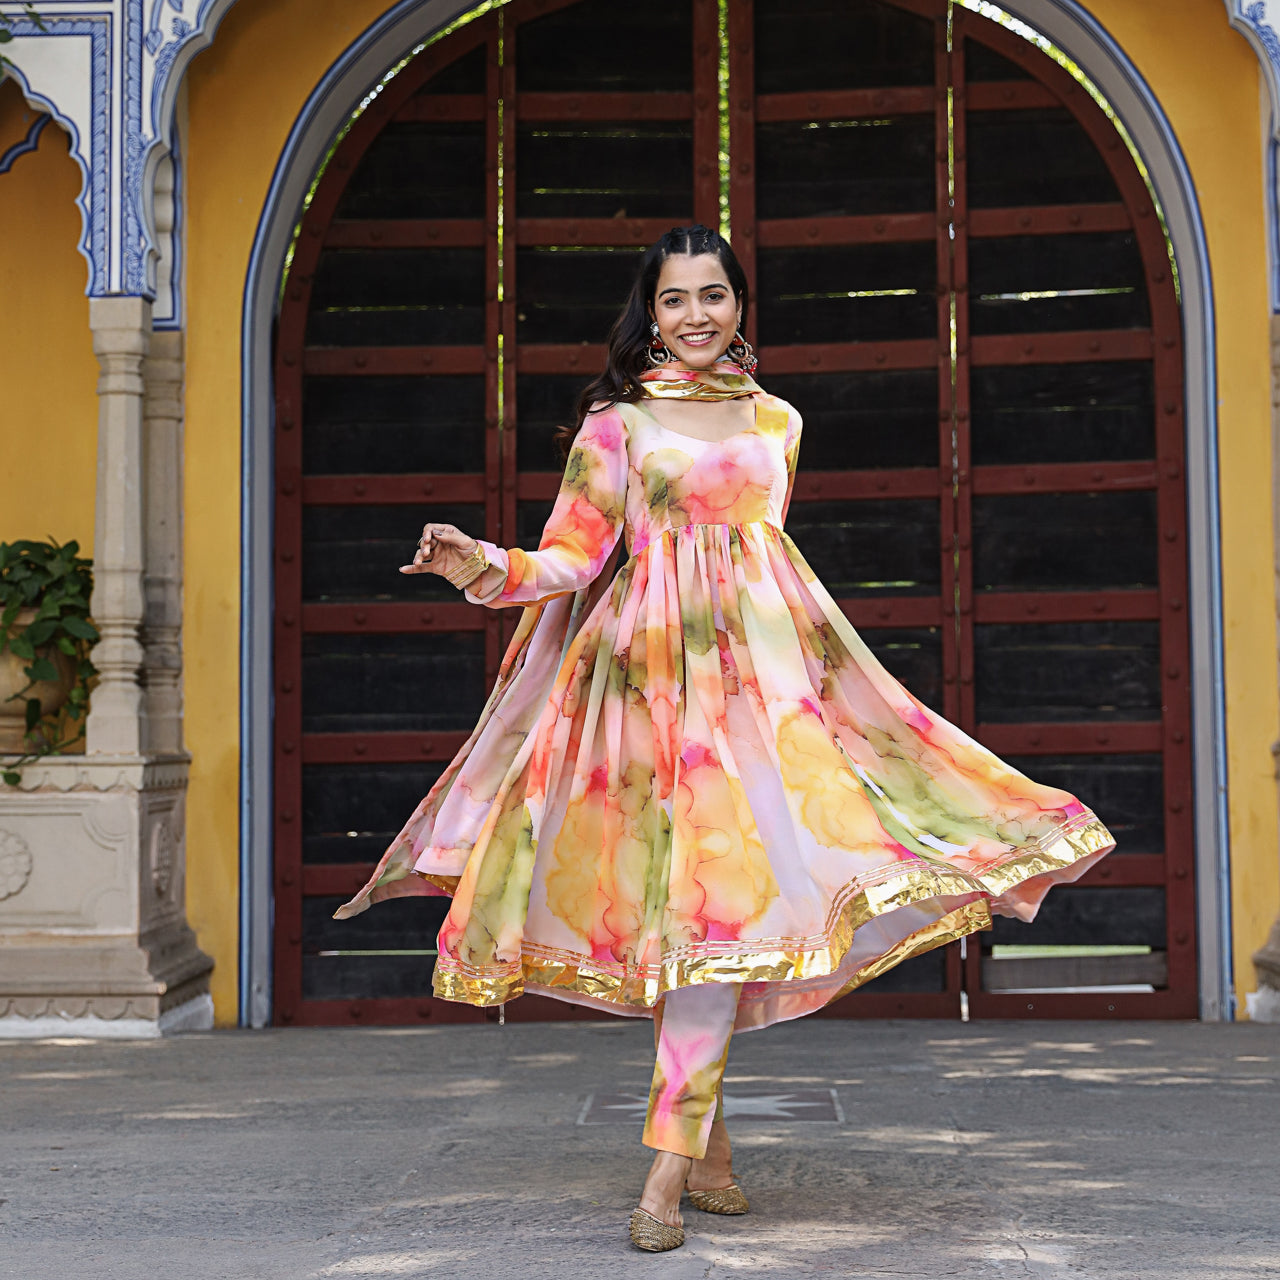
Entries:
{"x":33,"y":713}
{"x":66,"y":645}
{"x":42,"y":669}
{"x":12,"y":777}
{"x":23,"y":647}
{"x":5,"y":36}
{"x":79,"y":628}
{"x":40,"y":632}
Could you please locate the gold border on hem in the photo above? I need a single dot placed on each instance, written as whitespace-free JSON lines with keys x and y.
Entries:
{"x":791,"y":959}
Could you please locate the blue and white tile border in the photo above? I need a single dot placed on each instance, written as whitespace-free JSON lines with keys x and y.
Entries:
{"x":1249,"y":17}
{"x":108,"y":71}
{"x":27,"y":145}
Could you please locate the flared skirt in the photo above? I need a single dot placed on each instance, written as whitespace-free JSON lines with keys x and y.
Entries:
{"x":698,"y":772}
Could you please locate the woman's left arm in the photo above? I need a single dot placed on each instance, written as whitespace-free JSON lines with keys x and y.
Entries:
{"x":792,"y":447}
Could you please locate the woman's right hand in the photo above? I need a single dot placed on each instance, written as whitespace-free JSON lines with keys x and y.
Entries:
{"x":441,"y":549}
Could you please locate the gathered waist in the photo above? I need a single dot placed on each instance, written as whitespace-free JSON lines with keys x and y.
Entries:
{"x":677,"y":531}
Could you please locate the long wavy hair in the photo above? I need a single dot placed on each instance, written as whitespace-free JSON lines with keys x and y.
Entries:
{"x":629,"y":337}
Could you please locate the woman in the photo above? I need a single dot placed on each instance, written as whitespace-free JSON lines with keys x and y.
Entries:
{"x":694,"y":794}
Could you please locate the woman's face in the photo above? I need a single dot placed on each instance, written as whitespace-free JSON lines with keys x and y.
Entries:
{"x":694,"y":306}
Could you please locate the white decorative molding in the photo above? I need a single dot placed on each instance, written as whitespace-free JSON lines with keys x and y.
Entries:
{"x":15,"y":864}
{"x":1249,"y":17}
{"x":102,"y":1020}
{"x":109,"y":72}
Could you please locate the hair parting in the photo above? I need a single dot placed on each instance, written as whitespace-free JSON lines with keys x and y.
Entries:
{"x":629,"y":336}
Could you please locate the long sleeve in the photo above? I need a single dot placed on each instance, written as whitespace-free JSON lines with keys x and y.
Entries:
{"x":792,"y":447}
{"x":585,"y":525}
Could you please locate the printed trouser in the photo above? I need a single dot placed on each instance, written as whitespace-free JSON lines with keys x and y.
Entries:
{"x":694,"y":1026}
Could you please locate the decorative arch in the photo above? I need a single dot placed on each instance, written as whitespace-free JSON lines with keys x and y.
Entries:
{"x":70,"y":82}
{"x":135,"y":51}
{"x":1062,"y":22}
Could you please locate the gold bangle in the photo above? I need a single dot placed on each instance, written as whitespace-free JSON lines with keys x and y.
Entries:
{"x":469,"y":570}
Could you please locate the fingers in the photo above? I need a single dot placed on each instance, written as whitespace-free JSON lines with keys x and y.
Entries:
{"x":449,"y":536}
{"x":438,"y":548}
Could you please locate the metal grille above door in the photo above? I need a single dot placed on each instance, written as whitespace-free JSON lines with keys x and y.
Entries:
{"x":961,"y":283}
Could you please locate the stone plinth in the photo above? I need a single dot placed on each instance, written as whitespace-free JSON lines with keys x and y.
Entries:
{"x":1264,"y":1004}
{"x":93,"y":933}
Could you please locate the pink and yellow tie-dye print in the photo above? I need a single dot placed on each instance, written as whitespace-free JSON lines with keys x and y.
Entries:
{"x":693,"y":1046}
{"x":695,"y":771}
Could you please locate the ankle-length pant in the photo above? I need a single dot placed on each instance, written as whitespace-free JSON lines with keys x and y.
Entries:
{"x":694,"y":1026}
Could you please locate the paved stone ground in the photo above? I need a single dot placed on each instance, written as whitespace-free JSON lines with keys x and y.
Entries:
{"x":981,"y":1150}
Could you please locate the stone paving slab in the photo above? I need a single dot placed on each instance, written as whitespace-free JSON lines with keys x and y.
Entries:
{"x":969,"y":1150}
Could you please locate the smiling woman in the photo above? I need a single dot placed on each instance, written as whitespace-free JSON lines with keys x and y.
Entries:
{"x":694,"y":794}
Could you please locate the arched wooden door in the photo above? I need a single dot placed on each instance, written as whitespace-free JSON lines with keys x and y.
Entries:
{"x":962,"y":284}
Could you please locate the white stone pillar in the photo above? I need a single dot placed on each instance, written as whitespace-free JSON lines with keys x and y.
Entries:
{"x":94,"y":939}
{"x":162,"y":522}
{"x":121,"y":337}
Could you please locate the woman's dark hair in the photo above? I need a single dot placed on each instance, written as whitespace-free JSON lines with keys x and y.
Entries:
{"x":629,"y":337}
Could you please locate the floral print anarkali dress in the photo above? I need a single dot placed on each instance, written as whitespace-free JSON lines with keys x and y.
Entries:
{"x":695,"y":770}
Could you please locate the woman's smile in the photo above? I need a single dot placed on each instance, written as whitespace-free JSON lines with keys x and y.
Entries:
{"x":699,"y":339}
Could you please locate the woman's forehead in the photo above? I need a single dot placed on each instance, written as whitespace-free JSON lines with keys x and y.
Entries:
{"x":691,"y":272}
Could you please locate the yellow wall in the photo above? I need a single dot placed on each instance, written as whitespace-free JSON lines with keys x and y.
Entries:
{"x":48,"y":373}
{"x":1207,"y":79}
{"x":244,"y":95}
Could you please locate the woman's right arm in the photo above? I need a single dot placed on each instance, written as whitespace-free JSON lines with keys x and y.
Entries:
{"x":585,"y":524}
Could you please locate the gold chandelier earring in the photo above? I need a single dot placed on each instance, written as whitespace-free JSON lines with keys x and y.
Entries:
{"x":658,"y":351}
{"x":740,"y":352}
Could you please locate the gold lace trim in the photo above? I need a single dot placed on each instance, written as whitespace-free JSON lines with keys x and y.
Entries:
{"x":779,"y":959}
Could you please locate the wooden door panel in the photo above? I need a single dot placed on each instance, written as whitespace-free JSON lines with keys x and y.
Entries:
{"x":1006,"y":153}
{"x":1094,"y":542}
{"x":863,"y":44}
{"x":1040,"y":673}
{"x":1043,"y":414}
{"x":396,"y":425}
{"x":351,"y":812}
{"x":846,"y":167}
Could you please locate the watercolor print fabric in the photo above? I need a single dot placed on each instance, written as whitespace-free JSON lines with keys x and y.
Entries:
{"x":694,"y":770}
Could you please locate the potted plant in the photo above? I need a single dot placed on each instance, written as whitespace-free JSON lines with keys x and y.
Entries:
{"x":45,"y":638}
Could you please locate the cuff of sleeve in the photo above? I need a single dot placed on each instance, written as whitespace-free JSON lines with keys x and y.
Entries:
{"x":497,"y":559}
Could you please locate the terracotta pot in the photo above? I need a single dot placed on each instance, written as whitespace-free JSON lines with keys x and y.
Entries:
{"x":53,"y":694}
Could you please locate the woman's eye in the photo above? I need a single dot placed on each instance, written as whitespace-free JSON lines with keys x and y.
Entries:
{"x":715,"y":297}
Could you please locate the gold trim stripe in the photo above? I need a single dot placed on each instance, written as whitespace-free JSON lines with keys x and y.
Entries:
{"x":778,"y":959}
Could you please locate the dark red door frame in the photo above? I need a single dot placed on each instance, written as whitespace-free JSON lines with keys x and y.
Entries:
{"x":500,"y":359}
